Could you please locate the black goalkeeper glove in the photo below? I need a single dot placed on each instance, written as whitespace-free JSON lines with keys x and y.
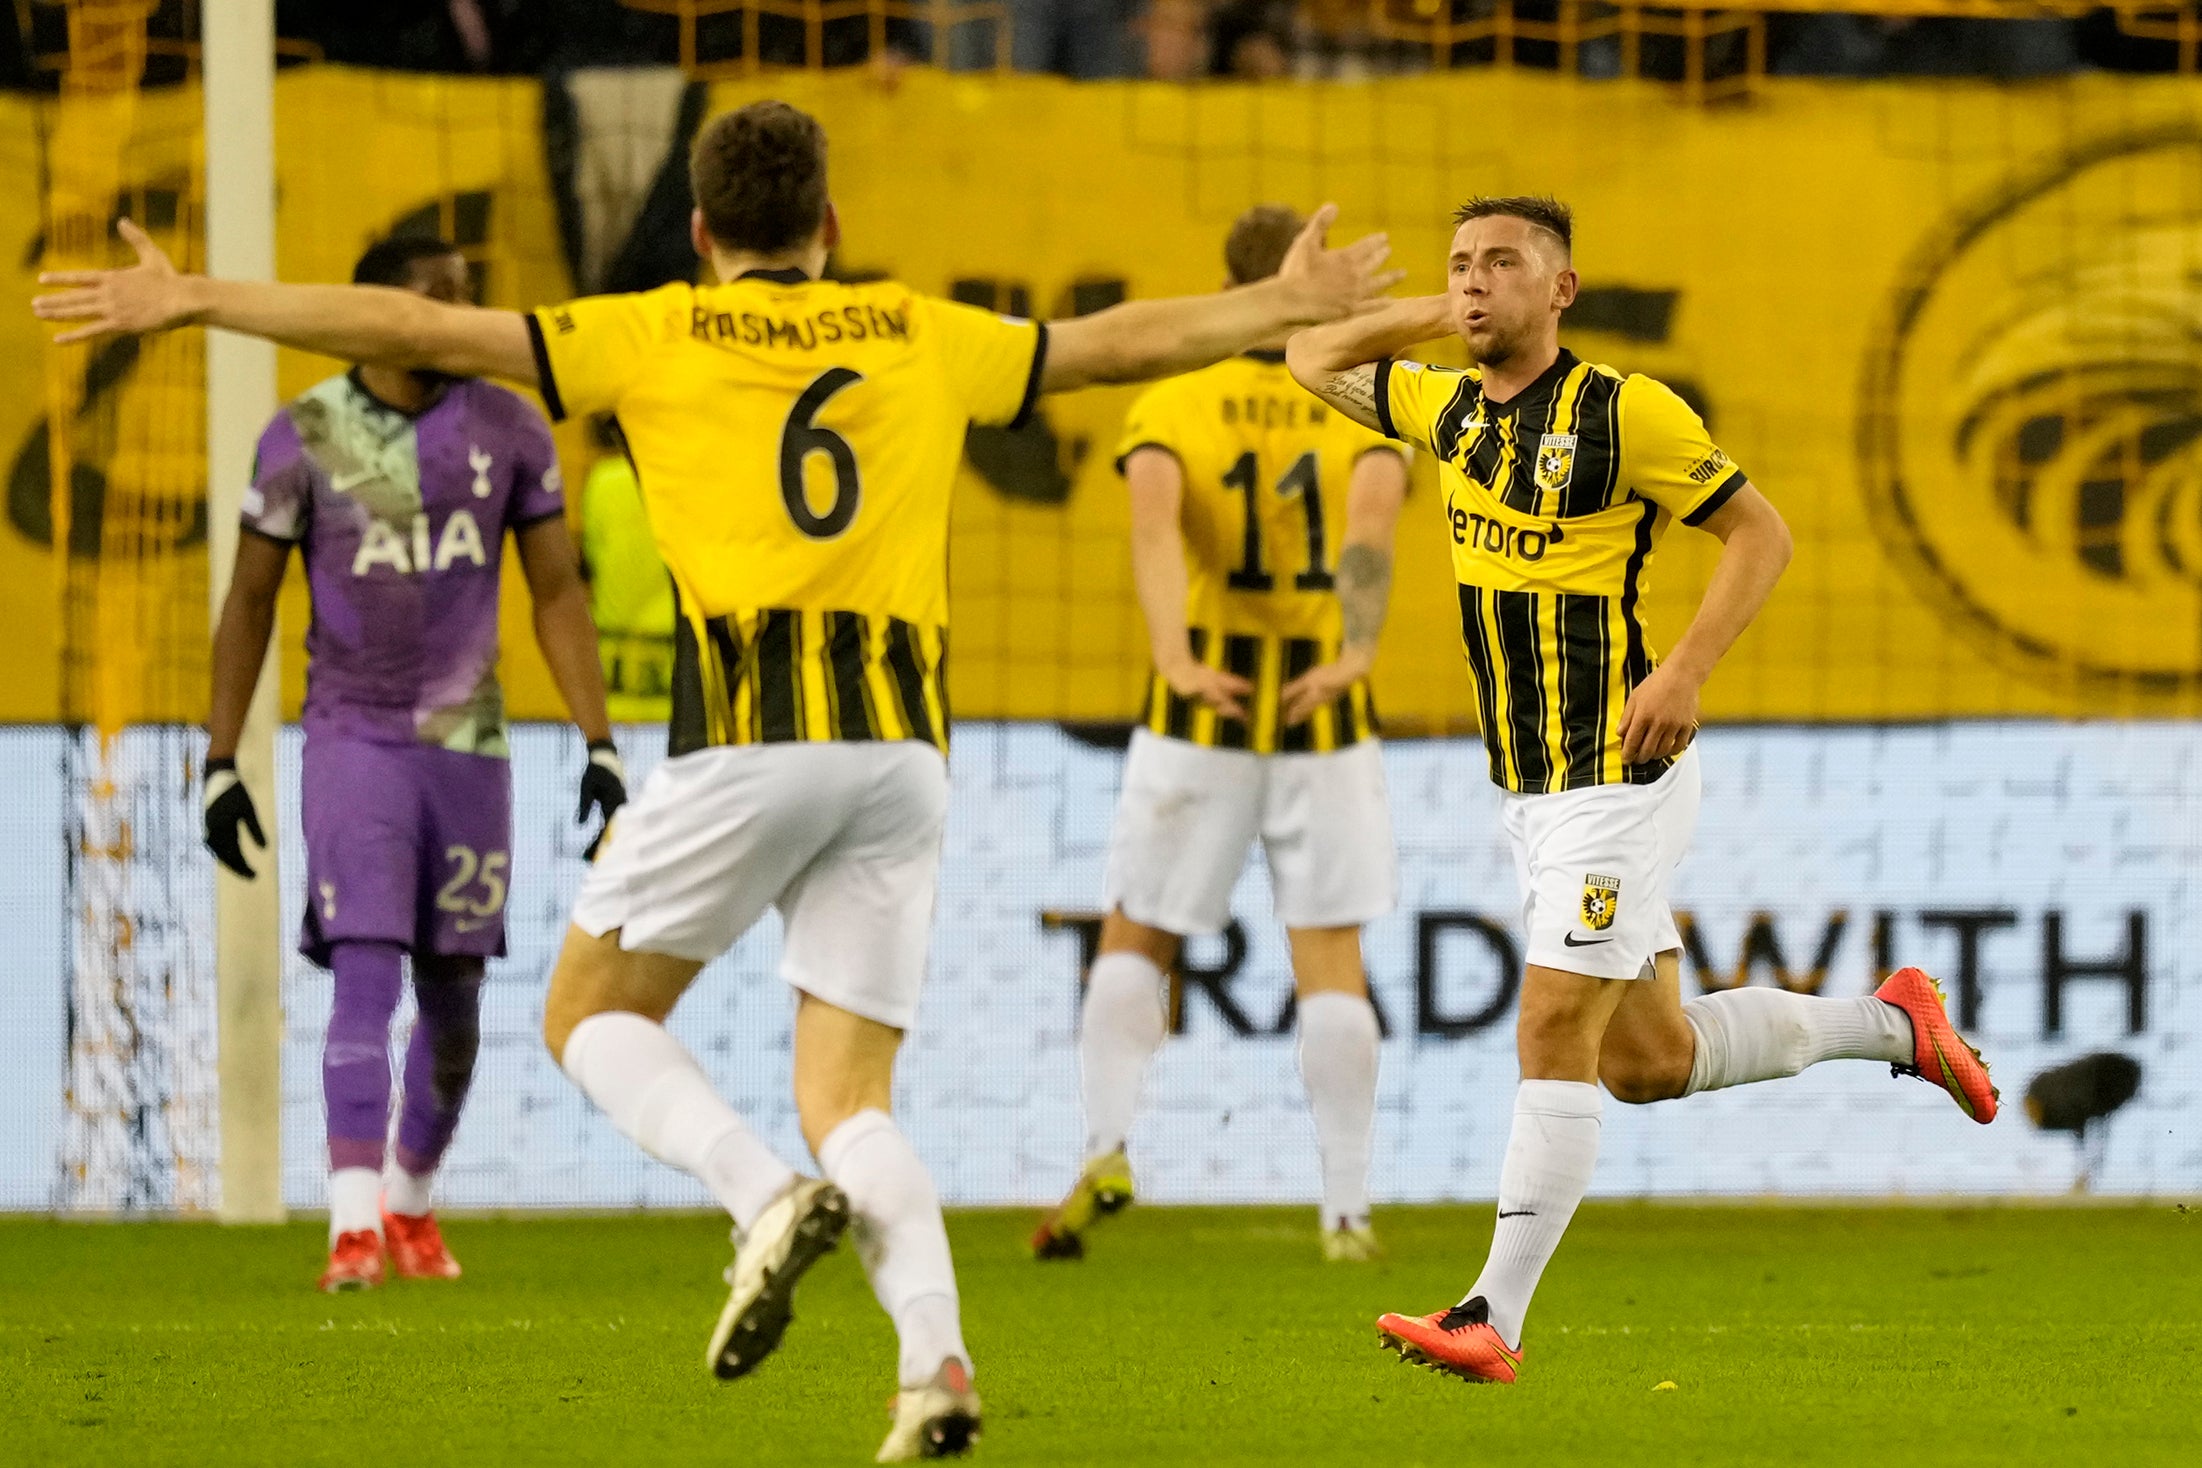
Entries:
{"x":603,"y":788}
{"x":229,"y":813}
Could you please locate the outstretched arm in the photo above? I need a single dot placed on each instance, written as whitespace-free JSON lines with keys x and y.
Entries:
{"x":1363,"y":582}
{"x":1335,"y":361}
{"x":1142,"y":340}
{"x":354,"y":323}
{"x":1661,"y":716}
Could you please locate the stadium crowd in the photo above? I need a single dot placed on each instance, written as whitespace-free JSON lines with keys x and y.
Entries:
{"x":1178,"y":40}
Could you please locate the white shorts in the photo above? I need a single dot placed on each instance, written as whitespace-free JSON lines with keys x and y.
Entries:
{"x":1595,"y":866}
{"x":843,"y":837}
{"x":1188,"y":815}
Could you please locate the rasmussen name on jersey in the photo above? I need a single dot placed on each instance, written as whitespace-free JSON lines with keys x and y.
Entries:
{"x":804,"y":333}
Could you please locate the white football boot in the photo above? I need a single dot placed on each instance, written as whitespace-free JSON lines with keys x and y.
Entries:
{"x":800,"y":1228}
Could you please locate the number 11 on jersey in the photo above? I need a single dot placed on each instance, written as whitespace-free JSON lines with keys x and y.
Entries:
{"x":1302,"y":480}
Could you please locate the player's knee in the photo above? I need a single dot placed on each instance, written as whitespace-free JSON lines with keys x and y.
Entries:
{"x":579,"y":986}
{"x":1553,"y":1041}
{"x":1327,"y":960}
{"x":1120,"y":934}
{"x":1640,"y":1080}
{"x":564,"y":1008}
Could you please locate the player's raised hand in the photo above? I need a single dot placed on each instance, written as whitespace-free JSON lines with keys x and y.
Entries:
{"x":1224,"y":692}
{"x":1661,"y":717}
{"x":603,"y":788}
{"x":229,"y":813}
{"x":1326,"y":283}
{"x":1323,"y":684}
{"x":146,"y":297}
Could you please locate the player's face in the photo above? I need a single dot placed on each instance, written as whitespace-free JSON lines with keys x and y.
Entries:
{"x":1508,"y":281}
{"x":442,"y":278}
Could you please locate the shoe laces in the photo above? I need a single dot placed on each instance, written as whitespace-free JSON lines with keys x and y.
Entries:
{"x":1471,"y":1311}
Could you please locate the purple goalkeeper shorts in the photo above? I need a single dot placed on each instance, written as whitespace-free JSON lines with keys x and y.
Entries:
{"x":406,"y":844}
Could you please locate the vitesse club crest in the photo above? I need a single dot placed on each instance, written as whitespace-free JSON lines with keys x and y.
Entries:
{"x":1601,"y":900}
{"x":1555,"y":461}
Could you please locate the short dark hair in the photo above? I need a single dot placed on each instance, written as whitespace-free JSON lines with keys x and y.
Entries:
{"x":391,"y":261}
{"x":759,"y":175}
{"x":1540,"y":210}
{"x":1260,"y":240}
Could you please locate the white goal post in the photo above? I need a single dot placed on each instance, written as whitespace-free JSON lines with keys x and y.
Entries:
{"x":238,"y":70}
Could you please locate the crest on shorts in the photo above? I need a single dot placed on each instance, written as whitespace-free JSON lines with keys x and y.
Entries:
{"x":1555,"y":461}
{"x":1601,"y":901}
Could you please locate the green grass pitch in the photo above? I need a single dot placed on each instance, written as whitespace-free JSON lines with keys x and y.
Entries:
{"x":1796,"y":1336}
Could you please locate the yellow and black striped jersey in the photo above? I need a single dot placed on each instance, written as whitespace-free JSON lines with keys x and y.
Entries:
{"x":1555,"y":500}
{"x":1266,"y":468}
{"x":796,"y":441}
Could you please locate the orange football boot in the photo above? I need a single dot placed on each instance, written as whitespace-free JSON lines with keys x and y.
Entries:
{"x":1942,"y":1056}
{"x":416,"y":1247}
{"x":1460,"y":1341}
{"x":355,"y":1262}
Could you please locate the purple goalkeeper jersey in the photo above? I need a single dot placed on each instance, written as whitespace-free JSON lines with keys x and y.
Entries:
{"x":402,"y":520}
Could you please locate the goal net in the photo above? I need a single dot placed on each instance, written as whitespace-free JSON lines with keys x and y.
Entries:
{"x":125,"y":476}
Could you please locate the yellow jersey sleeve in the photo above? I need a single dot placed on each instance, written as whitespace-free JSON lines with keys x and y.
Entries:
{"x":1668,"y":457}
{"x":589,"y":352}
{"x":1156,"y":421}
{"x":1411,"y":396}
{"x":992,"y":363}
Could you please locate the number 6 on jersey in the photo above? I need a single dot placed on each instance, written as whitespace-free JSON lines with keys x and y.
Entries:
{"x":802,"y":437}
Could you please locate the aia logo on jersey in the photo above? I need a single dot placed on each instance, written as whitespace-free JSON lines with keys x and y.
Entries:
{"x":383,"y":544}
{"x":1555,"y":462}
{"x":1601,"y":902}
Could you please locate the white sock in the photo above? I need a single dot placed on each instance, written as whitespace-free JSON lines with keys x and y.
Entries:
{"x":1338,"y":1048}
{"x":1746,"y":1035}
{"x":404,"y":1193}
{"x":355,"y":1201}
{"x":1120,"y":1030}
{"x":1549,"y":1159}
{"x":654,"y":1092}
{"x":901,"y":1239}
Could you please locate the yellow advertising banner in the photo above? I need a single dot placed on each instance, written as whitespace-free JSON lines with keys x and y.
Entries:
{"x":1950,"y":328}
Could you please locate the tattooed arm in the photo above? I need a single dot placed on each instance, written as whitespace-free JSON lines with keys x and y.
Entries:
{"x":1364,"y":582}
{"x":1335,"y":361}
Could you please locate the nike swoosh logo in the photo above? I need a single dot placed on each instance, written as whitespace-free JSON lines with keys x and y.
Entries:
{"x":1520,"y":1213}
{"x":346,"y":483}
{"x":1574,"y":942}
{"x":472,"y":925}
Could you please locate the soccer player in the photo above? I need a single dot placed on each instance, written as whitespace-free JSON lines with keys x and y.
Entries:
{"x":1560,"y":477}
{"x":1261,"y":547}
{"x":397,"y":487}
{"x":797,"y":440}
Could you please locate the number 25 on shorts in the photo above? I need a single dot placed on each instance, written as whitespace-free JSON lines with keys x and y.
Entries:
{"x":470,"y":868}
